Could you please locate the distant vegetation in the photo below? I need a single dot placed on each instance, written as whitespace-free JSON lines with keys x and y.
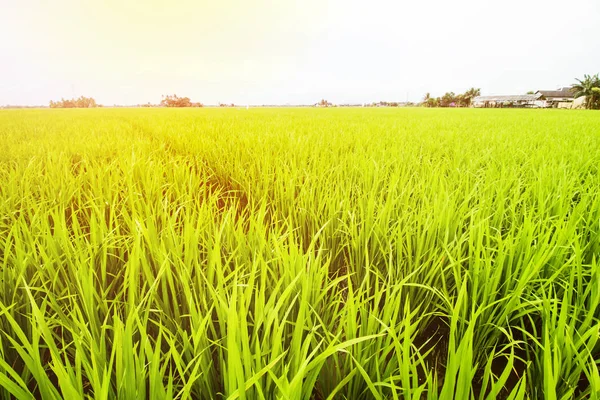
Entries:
{"x":81,"y":102}
{"x":324,"y":103}
{"x":450,"y":99}
{"x":175,"y":101}
{"x":588,"y":87}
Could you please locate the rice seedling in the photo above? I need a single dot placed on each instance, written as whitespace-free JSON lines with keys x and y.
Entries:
{"x":299,"y":254}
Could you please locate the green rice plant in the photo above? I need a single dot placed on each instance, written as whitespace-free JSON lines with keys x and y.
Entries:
{"x":299,"y":254}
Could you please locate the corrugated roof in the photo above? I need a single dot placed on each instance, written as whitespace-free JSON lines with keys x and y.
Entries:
{"x":520,"y":97}
{"x":562,"y":92}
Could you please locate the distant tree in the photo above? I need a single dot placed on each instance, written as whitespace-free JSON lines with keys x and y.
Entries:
{"x":85,"y":102}
{"x":81,"y":102}
{"x":324,"y":103}
{"x":461,"y":100}
{"x":426,"y":100}
{"x":589,"y":87}
{"x":448,"y":99}
{"x":530,"y":92}
{"x":175,"y":101}
{"x":470,"y":95}
{"x":429,"y":101}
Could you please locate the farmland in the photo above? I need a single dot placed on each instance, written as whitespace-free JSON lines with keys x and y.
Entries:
{"x":299,"y":254}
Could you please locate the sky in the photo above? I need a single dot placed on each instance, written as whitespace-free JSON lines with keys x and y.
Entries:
{"x":290,"y":52}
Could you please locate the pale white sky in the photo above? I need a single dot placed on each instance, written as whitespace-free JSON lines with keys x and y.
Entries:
{"x":266,"y":52}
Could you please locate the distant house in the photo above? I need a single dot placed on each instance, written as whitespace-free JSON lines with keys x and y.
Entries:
{"x":579,"y":103}
{"x":523,"y":100}
{"x":561,"y":98}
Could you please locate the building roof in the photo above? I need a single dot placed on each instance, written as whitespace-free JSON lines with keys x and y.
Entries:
{"x":520,"y":97}
{"x":562,"y":92}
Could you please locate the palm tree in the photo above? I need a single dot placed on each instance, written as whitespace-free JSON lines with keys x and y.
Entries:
{"x":471,"y":94}
{"x":447,"y":99}
{"x":590,"y":88}
{"x":462,"y":100}
{"x":427,"y":100}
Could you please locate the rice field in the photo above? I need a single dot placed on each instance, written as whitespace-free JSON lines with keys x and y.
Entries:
{"x":299,"y":254}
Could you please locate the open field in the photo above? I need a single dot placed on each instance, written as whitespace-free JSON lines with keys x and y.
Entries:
{"x":299,"y":254}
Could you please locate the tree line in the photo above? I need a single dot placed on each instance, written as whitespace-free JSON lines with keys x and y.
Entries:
{"x":90,"y":102}
{"x":450,"y":99}
{"x":588,"y":87}
{"x":175,"y":101}
{"x":81,"y":102}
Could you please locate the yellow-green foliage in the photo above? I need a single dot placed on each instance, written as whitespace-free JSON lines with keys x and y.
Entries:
{"x":299,"y":254}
